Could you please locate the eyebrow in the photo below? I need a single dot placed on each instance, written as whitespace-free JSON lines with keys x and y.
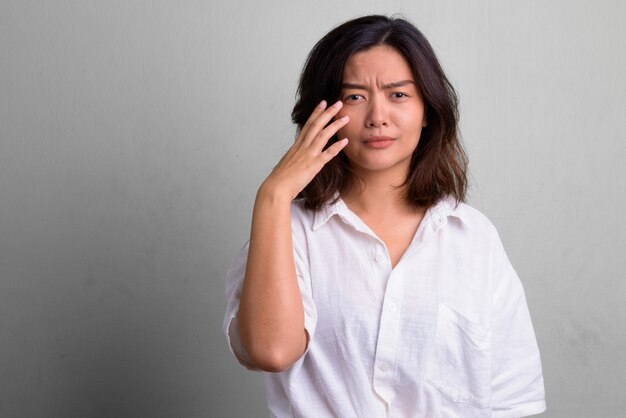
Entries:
{"x":385,"y":86}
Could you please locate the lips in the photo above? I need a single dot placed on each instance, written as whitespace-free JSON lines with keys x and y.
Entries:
{"x":378,"y":141}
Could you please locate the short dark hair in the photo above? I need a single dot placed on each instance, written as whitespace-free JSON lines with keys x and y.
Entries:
{"x":439,"y":164}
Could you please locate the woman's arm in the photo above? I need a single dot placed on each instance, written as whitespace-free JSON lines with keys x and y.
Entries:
{"x":271,"y":316}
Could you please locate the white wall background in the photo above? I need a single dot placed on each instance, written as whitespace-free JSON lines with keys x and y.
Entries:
{"x":133,"y":135}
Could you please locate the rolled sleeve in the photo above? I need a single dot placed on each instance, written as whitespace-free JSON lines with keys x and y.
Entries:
{"x":517,"y":378}
{"x":234,"y":285}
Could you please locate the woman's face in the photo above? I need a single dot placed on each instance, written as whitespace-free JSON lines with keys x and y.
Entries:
{"x":386,"y":112}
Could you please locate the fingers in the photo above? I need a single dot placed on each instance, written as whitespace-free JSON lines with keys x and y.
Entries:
{"x":314,"y":115}
{"x":332,"y":151}
{"x":318,"y":120}
{"x":319,"y":109}
{"x":322,"y":138}
{"x":306,"y":157}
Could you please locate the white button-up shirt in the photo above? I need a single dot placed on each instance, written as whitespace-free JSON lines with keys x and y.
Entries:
{"x":446,"y":333}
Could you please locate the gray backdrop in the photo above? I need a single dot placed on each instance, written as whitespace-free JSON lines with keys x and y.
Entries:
{"x":133,"y":136}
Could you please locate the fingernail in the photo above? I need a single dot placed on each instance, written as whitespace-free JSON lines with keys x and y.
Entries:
{"x":338,"y":104}
{"x":322,"y":104}
{"x":345,"y":119}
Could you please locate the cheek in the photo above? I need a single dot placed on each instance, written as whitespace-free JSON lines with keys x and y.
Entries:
{"x":346,"y":131}
{"x":348,"y":151}
{"x":413,"y":124}
{"x":342,"y":112}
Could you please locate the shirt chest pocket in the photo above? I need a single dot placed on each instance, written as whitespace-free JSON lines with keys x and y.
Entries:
{"x":459,"y":364}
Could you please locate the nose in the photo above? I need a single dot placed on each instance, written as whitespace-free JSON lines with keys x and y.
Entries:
{"x":377,"y":114}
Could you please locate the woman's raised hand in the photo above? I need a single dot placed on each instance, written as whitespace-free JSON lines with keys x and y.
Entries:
{"x":307,"y":156}
{"x":271,"y":312}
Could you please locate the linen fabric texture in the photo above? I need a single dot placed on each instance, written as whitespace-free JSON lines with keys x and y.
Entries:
{"x":445,"y":333}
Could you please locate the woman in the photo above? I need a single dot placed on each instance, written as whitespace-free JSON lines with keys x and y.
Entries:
{"x":368,"y":288}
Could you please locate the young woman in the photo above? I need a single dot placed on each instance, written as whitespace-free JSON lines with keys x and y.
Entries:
{"x":368,"y":289}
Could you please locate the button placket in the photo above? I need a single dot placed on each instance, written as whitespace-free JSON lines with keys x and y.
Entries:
{"x":388,"y":335}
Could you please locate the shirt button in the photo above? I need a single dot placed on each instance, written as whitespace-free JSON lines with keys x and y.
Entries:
{"x":379,"y":258}
{"x":383,"y":366}
{"x":393,"y":307}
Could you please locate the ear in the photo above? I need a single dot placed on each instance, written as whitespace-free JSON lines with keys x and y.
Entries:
{"x":424,"y":122}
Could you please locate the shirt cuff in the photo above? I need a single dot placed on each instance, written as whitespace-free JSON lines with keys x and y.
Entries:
{"x":239,"y":351}
{"x":234,"y":343}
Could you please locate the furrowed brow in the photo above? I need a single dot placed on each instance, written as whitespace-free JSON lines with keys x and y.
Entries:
{"x":352,"y":86}
{"x":385,"y":86}
{"x":398,"y":84}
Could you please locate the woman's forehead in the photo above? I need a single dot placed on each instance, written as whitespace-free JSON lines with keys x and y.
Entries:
{"x":383,"y":63}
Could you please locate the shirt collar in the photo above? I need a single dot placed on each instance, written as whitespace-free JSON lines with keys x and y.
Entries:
{"x":336,"y":206}
{"x":449,"y":207}
{"x":439,"y":213}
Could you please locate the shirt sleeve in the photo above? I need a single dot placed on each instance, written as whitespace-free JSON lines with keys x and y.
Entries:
{"x":234,"y":285}
{"x":517,"y":378}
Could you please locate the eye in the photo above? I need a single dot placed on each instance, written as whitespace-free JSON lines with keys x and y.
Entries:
{"x":399,"y":95}
{"x":353,"y":97}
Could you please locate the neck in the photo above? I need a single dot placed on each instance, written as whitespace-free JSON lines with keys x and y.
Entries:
{"x":375,"y":194}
